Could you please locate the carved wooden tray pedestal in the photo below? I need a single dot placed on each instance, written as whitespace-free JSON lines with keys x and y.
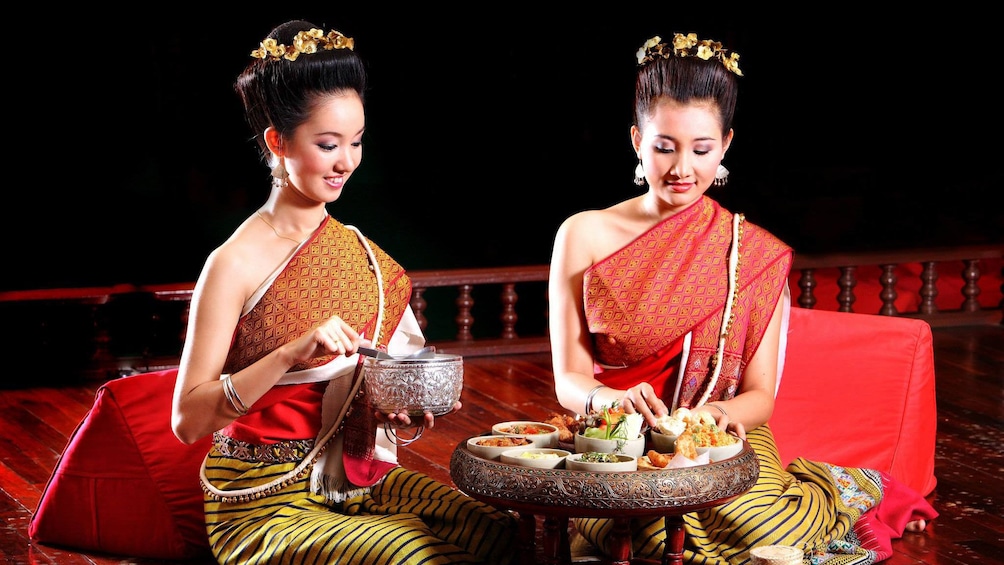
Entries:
{"x":558,"y":494}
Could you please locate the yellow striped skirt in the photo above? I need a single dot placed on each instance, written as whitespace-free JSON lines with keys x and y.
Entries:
{"x":812,"y":506}
{"x":408,"y":518}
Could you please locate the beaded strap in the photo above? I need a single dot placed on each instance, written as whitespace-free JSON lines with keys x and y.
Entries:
{"x":730,"y":302}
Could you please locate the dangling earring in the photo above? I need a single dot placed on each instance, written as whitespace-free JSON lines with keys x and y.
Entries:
{"x":280,"y":178}
{"x":721,"y":176}
{"x":639,"y":174}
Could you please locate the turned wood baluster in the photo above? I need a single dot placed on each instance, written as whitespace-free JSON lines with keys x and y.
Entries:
{"x":888,"y":294}
{"x":102,"y":339}
{"x":464,"y":319}
{"x":807,"y":283}
{"x":418,"y":305}
{"x":929,"y":288}
{"x":509,"y":316}
{"x":846,"y":282}
{"x":971,"y":288}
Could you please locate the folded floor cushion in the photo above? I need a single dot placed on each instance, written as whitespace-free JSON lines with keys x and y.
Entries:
{"x":125,"y":484}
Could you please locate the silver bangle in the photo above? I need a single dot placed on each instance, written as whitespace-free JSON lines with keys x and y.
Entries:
{"x":589,"y":398}
{"x":719,"y":407}
{"x":232,"y":397}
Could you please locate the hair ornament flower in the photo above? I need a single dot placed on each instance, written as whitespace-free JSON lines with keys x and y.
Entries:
{"x":305,"y":42}
{"x":688,"y":46}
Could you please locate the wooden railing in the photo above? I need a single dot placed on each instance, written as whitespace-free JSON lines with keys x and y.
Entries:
{"x":103,"y":331}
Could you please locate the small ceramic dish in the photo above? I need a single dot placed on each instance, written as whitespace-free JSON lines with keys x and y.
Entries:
{"x":543,"y":435}
{"x":634,"y":447}
{"x":538,"y":458}
{"x":662,"y":442}
{"x":721,"y":452}
{"x":623,"y":463}
{"x":492,"y":446}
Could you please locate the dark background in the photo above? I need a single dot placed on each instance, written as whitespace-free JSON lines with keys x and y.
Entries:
{"x":130,"y":160}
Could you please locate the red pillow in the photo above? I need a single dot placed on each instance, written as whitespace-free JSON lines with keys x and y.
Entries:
{"x":125,"y":484}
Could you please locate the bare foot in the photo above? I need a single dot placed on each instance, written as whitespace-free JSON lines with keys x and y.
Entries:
{"x":916,"y":526}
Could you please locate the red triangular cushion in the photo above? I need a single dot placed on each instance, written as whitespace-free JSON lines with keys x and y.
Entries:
{"x":125,"y":484}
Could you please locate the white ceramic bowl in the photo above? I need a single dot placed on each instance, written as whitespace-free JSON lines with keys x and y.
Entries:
{"x":536,"y":457}
{"x":721,"y":452}
{"x":625,"y":464}
{"x":663,"y":443}
{"x":634,"y":447}
{"x":543,"y":435}
{"x":493,"y":452}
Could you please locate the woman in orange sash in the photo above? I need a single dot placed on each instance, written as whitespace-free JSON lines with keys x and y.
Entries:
{"x":668,"y":300}
{"x":299,"y":471}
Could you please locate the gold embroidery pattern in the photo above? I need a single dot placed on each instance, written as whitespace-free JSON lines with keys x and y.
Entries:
{"x":330,"y":276}
{"x":673,"y":280}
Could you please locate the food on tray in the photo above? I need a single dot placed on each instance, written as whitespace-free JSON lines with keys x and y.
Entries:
{"x":685,"y":446}
{"x":654,"y":461}
{"x":526,"y":429}
{"x":504,"y":441}
{"x":611,"y":422}
{"x":567,"y":426}
{"x":693,"y":430}
{"x":539,"y":455}
{"x":657,"y":459}
{"x":673,"y":424}
{"x":597,"y":457}
{"x":709,"y":435}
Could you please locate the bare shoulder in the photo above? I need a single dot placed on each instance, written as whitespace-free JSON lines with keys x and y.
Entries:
{"x":242,"y":262}
{"x":596,"y":221}
{"x":603,"y":229}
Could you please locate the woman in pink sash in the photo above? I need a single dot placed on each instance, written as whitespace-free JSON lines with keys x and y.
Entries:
{"x":668,"y":300}
{"x":300,"y":470}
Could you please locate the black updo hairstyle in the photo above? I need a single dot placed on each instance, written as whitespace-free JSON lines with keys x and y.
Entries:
{"x":281,"y":93}
{"x":685,"y":79}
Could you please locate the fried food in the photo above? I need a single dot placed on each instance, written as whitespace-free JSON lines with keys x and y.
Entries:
{"x":654,"y":461}
{"x":567,"y":426}
{"x":686,"y":446}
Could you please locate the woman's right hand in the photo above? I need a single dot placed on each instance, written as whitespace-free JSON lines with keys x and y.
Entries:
{"x":642,"y":399}
{"x":333,"y":337}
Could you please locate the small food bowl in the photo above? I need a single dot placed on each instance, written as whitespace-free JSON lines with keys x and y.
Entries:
{"x":414,"y":385}
{"x":721,"y":452}
{"x":541,"y":434}
{"x":634,"y":447}
{"x":662,"y":442}
{"x":536,"y":457}
{"x":492,"y":446}
{"x":621,"y":464}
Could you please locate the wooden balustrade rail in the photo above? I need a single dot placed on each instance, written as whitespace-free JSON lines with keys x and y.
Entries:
{"x":103,"y":331}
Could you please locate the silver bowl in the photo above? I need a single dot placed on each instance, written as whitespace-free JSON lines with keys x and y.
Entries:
{"x":414,"y":386}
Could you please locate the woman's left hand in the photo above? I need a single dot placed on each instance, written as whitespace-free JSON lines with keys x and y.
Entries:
{"x":403,"y":420}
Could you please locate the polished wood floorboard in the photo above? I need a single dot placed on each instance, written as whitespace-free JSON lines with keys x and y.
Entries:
{"x":36,"y":420}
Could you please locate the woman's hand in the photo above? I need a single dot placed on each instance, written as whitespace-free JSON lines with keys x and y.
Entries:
{"x":403,"y":420}
{"x":723,"y":421}
{"x":333,"y":337}
{"x":642,"y":399}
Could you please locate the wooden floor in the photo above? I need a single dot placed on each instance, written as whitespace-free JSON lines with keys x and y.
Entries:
{"x":35,"y":423}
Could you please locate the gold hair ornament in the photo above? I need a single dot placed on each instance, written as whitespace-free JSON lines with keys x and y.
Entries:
{"x":688,"y":46}
{"x":305,"y":42}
